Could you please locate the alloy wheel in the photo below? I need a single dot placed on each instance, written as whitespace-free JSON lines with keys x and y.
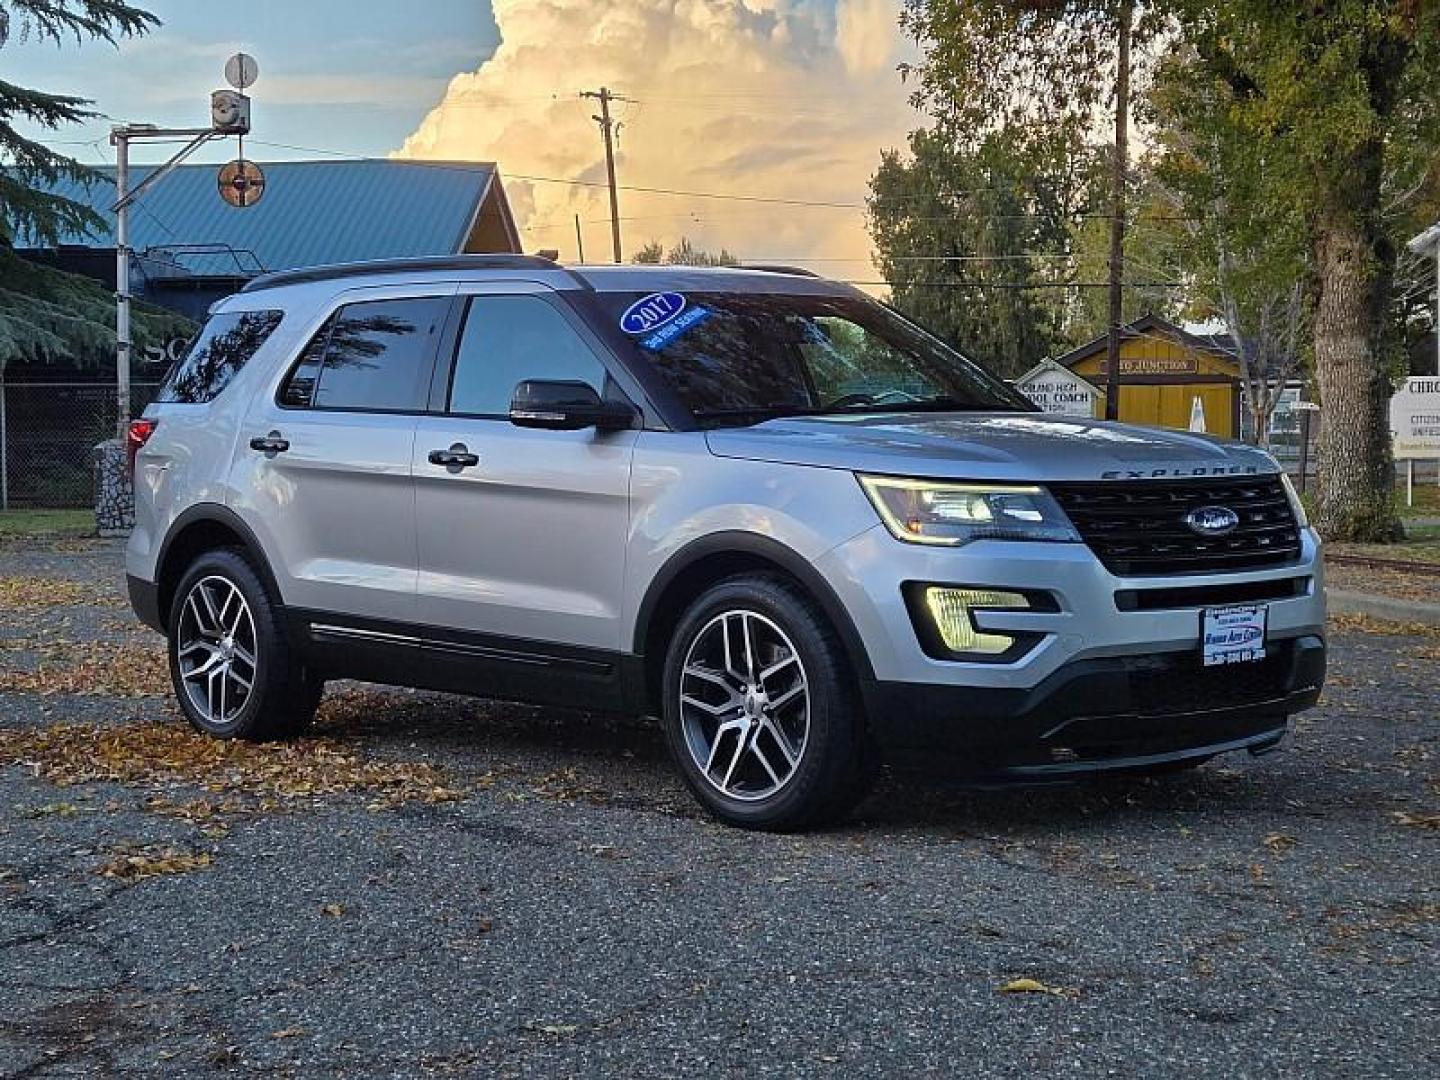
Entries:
{"x":744,"y":705}
{"x":216,"y":649}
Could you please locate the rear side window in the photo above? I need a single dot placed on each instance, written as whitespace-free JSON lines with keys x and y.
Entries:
{"x":375,"y":357}
{"x":508,"y":339}
{"x":225,"y":345}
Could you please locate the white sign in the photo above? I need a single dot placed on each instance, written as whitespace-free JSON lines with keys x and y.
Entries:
{"x":1415,"y":418}
{"x":1057,"y":390}
{"x":1233,"y":635}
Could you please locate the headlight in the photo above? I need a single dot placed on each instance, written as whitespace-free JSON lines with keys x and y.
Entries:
{"x":931,"y":512}
{"x":1301,"y":518}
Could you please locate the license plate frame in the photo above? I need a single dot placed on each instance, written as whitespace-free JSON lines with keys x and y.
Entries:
{"x":1233,"y":634}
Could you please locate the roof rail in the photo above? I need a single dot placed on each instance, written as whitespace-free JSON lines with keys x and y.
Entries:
{"x":775,"y":268}
{"x":399,"y":266}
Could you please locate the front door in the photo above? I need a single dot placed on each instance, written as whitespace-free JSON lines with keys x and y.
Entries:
{"x":522,"y":532}
{"x":324,"y":473}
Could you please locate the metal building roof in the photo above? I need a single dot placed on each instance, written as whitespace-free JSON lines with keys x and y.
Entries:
{"x":312,"y":212}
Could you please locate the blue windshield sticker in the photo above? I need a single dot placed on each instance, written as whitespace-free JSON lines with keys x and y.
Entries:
{"x":687,"y":320}
{"x":652,"y":312}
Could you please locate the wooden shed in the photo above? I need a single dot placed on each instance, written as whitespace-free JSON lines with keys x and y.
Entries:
{"x":1169,"y":377}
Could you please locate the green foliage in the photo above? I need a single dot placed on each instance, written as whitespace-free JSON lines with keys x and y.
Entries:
{"x":47,"y":317}
{"x":682,"y":254}
{"x":1036,"y":70}
{"x":1335,"y":109}
{"x":959,"y":235}
{"x":27,"y":209}
{"x":1001,"y":210}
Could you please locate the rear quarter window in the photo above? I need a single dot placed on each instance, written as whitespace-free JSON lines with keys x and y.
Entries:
{"x":225,"y":345}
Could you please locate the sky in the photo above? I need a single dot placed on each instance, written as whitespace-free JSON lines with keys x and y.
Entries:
{"x":785,"y":100}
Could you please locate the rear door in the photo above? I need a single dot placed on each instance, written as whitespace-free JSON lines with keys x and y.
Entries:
{"x":324,"y":460}
{"x":528,"y":543}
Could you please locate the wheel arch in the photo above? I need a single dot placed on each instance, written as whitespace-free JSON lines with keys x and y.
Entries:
{"x":201,"y":528}
{"x":710,"y":559}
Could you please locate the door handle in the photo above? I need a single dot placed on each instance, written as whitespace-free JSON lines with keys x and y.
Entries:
{"x":270,"y":444}
{"x":457,"y":457}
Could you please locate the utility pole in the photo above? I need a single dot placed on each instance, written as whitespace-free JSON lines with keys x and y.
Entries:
{"x":608,"y":128}
{"x":1117,"y":210}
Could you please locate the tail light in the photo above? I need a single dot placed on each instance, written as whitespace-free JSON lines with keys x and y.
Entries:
{"x":138,"y":435}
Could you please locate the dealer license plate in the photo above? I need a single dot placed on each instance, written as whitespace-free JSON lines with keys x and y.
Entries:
{"x":1233,"y":635}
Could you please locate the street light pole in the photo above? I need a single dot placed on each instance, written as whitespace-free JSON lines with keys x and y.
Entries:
{"x":121,"y":138}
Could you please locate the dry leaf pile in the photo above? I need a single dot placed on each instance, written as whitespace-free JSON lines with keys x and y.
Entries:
{"x":244,"y":776}
{"x":1366,"y":624}
{"x":41,"y":594}
{"x":154,"y":862}
{"x":95,"y":667}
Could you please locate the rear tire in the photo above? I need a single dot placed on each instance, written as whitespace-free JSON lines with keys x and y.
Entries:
{"x":761,"y":712}
{"x":231,"y":662}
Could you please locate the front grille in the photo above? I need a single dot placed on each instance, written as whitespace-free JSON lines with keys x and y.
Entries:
{"x":1138,"y":528}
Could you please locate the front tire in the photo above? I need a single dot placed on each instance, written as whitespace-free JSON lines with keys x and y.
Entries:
{"x":761,"y":712}
{"x":234,"y":672}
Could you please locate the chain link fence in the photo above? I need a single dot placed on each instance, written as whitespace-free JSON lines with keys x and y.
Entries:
{"x":47,"y":433}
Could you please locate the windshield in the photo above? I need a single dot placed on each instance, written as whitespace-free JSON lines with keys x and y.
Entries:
{"x":742,"y":358}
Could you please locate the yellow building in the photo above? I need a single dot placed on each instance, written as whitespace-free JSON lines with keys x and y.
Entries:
{"x":1168,"y":376}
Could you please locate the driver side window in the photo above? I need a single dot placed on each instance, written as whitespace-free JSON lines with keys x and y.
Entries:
{"x":508,"y":339}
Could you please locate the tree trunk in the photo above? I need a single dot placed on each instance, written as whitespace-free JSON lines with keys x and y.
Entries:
{"x":1356,"y":472}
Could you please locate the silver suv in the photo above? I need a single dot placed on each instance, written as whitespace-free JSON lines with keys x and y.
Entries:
{"x":760,"y":505}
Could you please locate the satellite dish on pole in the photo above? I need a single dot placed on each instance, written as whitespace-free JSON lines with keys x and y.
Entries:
{"x":241,"y":71}
{"x":241,"y":183}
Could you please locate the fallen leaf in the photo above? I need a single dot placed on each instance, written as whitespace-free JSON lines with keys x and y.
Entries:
{"x":1279,"y":842}
{"x":1035,"y":986}
{"x":288,"y":1033}
{"x":1417,"y":821}
{"x":333,"y":910}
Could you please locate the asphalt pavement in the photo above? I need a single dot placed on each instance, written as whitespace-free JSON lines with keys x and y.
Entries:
{"x":436,"y":885}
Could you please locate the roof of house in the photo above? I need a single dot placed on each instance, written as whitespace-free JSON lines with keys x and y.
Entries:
{"x":311,"y":212}
{"x":1153,"y":325}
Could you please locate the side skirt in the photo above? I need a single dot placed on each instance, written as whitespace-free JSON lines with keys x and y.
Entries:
{"x":464,"y":662}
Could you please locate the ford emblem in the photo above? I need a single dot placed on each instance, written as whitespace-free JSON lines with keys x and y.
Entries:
{"x":651,"y":312}
{"x":1212,"y":520}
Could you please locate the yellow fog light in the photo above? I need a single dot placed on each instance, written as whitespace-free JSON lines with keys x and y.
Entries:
{"x":952,"y":611}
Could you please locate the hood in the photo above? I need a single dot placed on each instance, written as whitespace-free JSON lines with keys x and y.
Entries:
{"x":989,"y":446}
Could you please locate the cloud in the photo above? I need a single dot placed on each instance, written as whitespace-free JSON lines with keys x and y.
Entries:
{"x":787,"y":98}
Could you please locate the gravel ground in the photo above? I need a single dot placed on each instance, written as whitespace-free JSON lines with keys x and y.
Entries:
{"x":436,"y":885}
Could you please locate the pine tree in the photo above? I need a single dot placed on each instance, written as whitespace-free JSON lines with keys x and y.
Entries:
{"x":29,"y":208}
{"x":46,"y":315}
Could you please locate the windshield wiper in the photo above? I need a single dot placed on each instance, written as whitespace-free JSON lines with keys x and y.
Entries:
{"x":759,"y":412}
{"x":925,"y":405}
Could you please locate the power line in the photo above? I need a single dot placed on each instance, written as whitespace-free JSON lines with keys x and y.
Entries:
{"x":534,"y":179}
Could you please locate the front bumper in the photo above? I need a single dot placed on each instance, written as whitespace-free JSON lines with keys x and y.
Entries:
{"x":1114,"y":678}
{"x":1099,"y":714}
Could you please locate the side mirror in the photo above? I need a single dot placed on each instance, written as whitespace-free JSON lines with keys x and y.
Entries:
{"x":566,"y":406}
